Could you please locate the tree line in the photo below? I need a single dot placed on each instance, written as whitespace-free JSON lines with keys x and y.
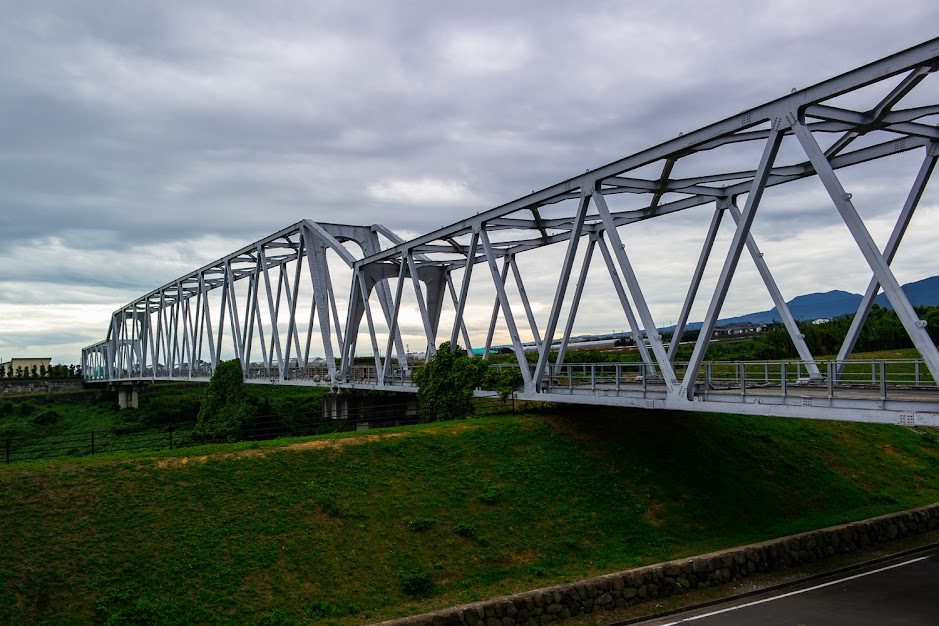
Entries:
{"x":37,"y":372}
{"x":882,"y":331}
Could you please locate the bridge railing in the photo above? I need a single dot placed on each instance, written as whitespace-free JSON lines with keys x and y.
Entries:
{"x":578,"y":378}
{"x":878,"y":379}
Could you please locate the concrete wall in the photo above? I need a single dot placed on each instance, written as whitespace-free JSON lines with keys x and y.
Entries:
{"x":555,"y":604}
{"x":23,"y":387}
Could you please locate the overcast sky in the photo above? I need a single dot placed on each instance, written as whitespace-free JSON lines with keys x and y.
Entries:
{"x":140,"y":140}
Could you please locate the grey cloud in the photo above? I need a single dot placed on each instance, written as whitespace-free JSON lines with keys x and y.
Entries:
{"x":133,"y":133}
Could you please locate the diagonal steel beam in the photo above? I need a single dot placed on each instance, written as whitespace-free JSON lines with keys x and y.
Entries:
{"x":506,"y":310}
{"x":503,"y":276}
{"x":632,"y":283}
{"x":890,"y":250}
{"x":798,"y":339}
{"x":525,"y":302}
{"x":696,"y":278}
{"x":458,"y":322}
{"x":561,"y":290}
{"x":575,"y":303}
{"x":730,"y":262}
{"x":460,"y":303}
{"x":634,"y":328}
{"x":915,"y":327}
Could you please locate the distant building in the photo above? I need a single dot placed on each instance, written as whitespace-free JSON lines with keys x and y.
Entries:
{"x":746,"y":329}
{"x":27,"y":365}
{"x":821,"y":320}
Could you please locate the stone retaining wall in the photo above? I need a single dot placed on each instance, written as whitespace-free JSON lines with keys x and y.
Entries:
{"x":554,"y":604}
{"x":23,"y":387}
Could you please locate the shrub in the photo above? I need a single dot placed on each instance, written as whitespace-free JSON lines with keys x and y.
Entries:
{"x":417,"y":584}
{"x":47,"y":418}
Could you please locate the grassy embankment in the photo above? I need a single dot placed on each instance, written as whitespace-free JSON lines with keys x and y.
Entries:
{"x":161,"y":404}
{"x":357,"y":527}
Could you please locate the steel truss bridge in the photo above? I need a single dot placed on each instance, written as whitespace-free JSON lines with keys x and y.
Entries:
{"x":271,"y":303}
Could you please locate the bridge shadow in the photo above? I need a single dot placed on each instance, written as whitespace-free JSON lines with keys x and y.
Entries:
{"x":743,"y":475}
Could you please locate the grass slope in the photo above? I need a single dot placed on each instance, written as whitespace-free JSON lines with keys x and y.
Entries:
{"x":354,"y":528}
{"x":160,"y":404}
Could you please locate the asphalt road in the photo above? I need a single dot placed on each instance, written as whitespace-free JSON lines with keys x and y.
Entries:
{"x":902,"y":591}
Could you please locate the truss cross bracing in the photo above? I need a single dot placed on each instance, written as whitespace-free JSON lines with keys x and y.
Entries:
{"x":273,"y":304}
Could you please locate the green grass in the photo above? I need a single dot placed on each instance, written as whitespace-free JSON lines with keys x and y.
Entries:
{"x":365,"y":526}
{"x":160,"y":404}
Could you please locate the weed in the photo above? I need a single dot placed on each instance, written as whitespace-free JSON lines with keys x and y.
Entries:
{"x":465,"y":530}
{"x":321,"y":609}
{"x":491,"y":496}
{"x":421,"y":524}
{"x":275,"y":618}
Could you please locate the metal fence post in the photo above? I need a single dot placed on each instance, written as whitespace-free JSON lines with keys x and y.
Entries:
{"x":92,"y":443}
{"x":171,"y":436}
{"x":883,"y":381}
{"x":8,"y":451}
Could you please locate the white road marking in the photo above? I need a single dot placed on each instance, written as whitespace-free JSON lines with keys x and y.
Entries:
{"x":794,"y":593}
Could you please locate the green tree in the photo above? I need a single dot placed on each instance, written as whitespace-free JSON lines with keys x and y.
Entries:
{"x":447,"y":380}
{"x":19,"y":371}
{"x":226,"y":408}
{"x":34,"y":371}
{"x":932,"y":322}
{"x":446,"y":383}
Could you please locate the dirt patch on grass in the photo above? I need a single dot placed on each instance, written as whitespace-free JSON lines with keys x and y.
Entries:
{"x":316,"y":444}
{"x":521,"y":558}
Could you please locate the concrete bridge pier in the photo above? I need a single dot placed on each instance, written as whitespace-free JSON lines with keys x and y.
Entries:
{"x":128,"y":394}
{"x":367,"y":408}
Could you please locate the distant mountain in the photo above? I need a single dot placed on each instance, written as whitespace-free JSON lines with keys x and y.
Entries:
{"x":834,"y":303}
{"x":921,"y":293}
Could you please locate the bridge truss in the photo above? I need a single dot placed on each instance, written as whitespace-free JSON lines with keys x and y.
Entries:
{"x":272,"y":303}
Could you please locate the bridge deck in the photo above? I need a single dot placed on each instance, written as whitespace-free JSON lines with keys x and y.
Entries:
{"x":889,"y":391}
